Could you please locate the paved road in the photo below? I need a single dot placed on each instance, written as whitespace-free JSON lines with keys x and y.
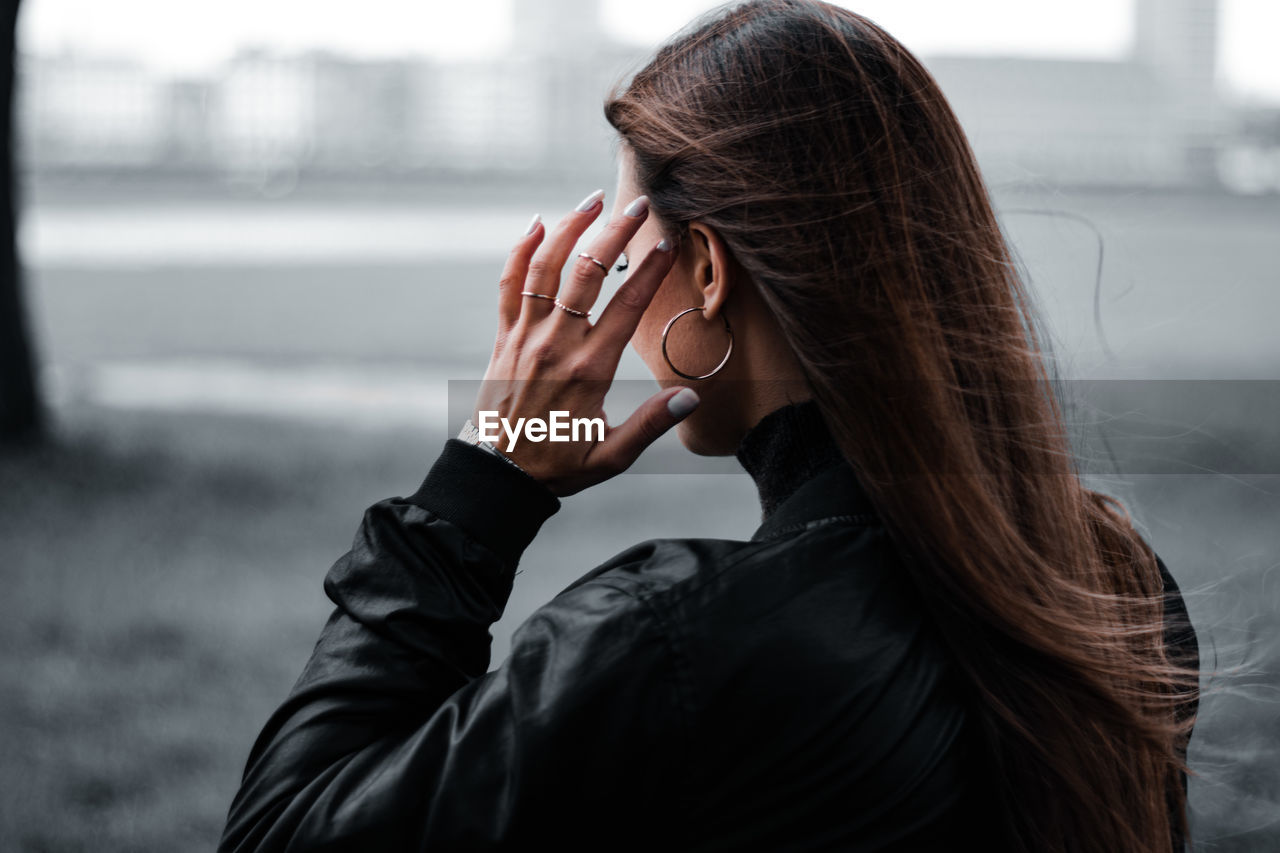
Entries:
{"x":301,"y":304}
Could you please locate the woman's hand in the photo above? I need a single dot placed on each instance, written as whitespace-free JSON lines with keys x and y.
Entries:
{"x":548,"y":359}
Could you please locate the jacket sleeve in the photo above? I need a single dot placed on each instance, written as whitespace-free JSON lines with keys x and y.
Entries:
{"x":1183,"y":649}
{"x":396,"y":738}
{"x":1180,"y":639}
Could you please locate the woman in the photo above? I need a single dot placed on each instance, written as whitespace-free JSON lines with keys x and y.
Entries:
{"x":937,"y":638}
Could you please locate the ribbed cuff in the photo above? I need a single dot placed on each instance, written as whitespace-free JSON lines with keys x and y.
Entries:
{"x":496,"y":503}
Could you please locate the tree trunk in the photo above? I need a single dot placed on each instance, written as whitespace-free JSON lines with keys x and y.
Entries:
{"x":21,"y":416}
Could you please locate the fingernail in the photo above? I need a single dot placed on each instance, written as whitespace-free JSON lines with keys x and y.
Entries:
{"x":637,"y":208}
{"x":590,"y":201}
{"x":663,"y":245}
{"x":533,"y":224}
{"x":682,"y":403}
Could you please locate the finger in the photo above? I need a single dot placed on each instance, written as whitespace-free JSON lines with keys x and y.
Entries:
{"x":585,"y":275}
{"x":548,"y":261}
{"x":513,"y":273}
{"x":621,"y":316}
{"x":624,"y":444}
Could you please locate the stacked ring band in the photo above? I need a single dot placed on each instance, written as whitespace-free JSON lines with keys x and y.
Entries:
{"x":574,"y":311}
{"x":595,"y":261}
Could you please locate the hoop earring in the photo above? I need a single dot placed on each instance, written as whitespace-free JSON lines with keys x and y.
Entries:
{"x":677,"y":370}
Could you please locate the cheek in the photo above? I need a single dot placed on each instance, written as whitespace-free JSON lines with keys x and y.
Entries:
{"x":647,"y":340}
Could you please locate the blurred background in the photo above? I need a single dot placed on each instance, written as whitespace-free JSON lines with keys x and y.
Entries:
{"x":259,"y":239}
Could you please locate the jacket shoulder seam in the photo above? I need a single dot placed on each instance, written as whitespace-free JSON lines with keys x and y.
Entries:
{"x":865,"y":519}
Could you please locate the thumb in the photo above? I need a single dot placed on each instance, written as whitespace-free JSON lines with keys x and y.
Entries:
{"x":646,"y":425}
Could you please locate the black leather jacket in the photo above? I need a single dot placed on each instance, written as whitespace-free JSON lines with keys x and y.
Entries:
{"x":781,"y":693}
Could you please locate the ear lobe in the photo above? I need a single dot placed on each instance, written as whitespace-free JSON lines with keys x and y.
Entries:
{"x":714,"y":294}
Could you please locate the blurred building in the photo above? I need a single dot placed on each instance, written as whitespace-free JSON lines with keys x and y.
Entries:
{"x":80,"y":112}
{"x":1153,"y":118}
{"x":315,"y":111}
{"x":187,"y":145}
{"x":263,"y":112}
{"x":1249,"y":163}
{"x":482,"y":115}
{"x":576,"y":63}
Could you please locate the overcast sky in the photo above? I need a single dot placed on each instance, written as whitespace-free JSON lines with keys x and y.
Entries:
{"x":188,"y":36}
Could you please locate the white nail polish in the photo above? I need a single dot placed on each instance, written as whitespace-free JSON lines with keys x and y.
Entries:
{"x":682,"y":403}
{"x":590,"y":201}
{"x":533,"y":224}
{"x":637,"y":208}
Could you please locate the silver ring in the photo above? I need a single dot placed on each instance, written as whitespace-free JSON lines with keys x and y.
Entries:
{"x":595,"y":261}
{"x":537,"y":295}
{"x":574,"y":311}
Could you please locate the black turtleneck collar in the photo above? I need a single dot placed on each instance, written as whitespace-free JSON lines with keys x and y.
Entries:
{"x":800,"y":473}
{"x":786,"y":449}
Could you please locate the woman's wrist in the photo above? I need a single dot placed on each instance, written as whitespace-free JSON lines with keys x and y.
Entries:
{"x":488,"y":496}
{"x":471,"y":435}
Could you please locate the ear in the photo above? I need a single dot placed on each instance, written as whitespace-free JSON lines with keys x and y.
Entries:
{"x":713,"y":268}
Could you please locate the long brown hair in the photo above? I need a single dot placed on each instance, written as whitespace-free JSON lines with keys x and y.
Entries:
{"x":829,"y":161}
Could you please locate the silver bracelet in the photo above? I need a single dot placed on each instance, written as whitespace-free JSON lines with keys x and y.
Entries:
{"x":471,"y":435}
